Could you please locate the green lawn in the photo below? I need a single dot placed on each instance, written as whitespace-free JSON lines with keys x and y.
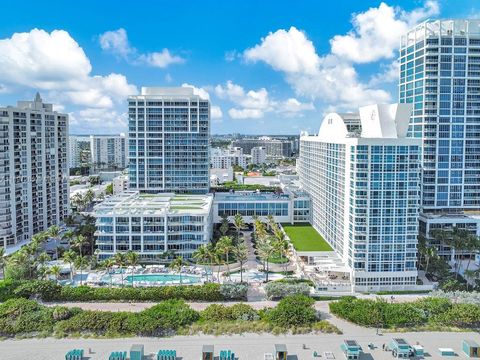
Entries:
{"x":305,"y":238}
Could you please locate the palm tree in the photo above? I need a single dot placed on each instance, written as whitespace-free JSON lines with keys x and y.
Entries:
{"x":201,"y":256}
{"x":241,"y":254}
{"x":119,"y":259}
{"x":81,"y":262}
{"x":78,"y":242}
{"x":472,"y":246}
{"x":132,"y":259}
{"x":225,"y":246}
{"x":3,"y":261}
{"x":224,"y":225}
{"x":54,"y":232}
{"x":176,"y":265}
{"x":69,"y":257}
{"x":212,"y":257}
{"x":68,"y":235}
{"x":108,"y":263}
{"x":239,"y":224}
{"x":266,"y":250}
{"x":430,"y":253}
{"x":55,"y":271}
{"x":43,"y":258}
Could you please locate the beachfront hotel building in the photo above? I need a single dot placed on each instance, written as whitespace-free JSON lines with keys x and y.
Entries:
{"x":440,"y":76}
{"x":168,"y":141}
{"x":153,"y":224}
{"x":364,"y":188}
{"x":33,"y":170}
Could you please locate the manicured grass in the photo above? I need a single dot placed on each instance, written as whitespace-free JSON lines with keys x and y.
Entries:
{"x":305,"y":238}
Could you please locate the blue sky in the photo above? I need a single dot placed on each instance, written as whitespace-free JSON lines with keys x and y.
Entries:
{"x":268,"y":67}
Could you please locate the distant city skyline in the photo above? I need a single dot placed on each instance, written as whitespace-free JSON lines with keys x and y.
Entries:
{"x":287,"y":67}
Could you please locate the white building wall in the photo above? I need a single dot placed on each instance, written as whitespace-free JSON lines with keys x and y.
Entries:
{"x":34,"y":170}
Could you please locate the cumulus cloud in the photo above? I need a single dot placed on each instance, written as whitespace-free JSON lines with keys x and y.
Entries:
{"x":253,"y":104}
{"x":198,"y":91}
{"x":332,"y":78}
{"x":216,"y":112}
{"x":56,"y":64}
{"x":116,"y":42}
{"x":376,"y":32}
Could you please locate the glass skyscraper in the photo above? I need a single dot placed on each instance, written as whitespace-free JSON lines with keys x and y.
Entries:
{"x":440,"y":75}
{"x":168,"y":141}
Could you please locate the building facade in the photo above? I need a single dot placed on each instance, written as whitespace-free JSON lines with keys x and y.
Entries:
{"x":227,"y":158}
{"x":440,"y":76}
{"x":364,"y":190}
{"x":108,"y":151}
{"x":153,"y":224}
{"x":34,"y":170}
{"x":168,"y":146}
{"x":274,"y":148}
{"x":259,"y":155}
{"x":79,"y":151}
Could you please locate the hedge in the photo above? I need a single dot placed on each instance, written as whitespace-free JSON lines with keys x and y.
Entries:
{"x":279,"y":290}
{"x":22,"y":317}
{"x":423,"y":312}
{"x":50,"y":291}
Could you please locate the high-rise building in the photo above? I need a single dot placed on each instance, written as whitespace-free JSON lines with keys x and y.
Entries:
{"x":259,"y":155}
{"x":108,"y":151}
{"x":79,"y":148}
{"x":33,"y":168}
{"x":275,"y":148}
{"x":440,"y":76}
{"x":168,"y":147}
{"x":364,"y":190}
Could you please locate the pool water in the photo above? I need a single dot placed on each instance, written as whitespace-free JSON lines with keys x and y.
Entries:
{"x":163,"y":278}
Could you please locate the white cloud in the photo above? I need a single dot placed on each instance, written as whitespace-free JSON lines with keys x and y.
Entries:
{"x":116,"y":42}
{"x":332,"y":78}
{"x":216,"y":112}
{"x":245,"y":113}
{"x":288,"y":51}
{"x":376,"y":32}
{"x":254,"y":104}
{"x":389,"y":74}
{"x":56,"y":63}
{"x":231,"y":55}
{"x":327,"y":78}
{"x":198,"y":91}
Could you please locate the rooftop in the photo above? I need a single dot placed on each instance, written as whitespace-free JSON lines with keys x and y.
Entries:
{"x":135,"y":203}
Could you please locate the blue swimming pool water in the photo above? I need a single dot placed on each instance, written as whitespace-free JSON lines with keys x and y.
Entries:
{"x":163,"y":278}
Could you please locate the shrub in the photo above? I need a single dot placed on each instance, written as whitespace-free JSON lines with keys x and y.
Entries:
{"x":278,"y":290}
{"x":38,"y":289}
{"x":237,"y":312}
{"x":291,"y":280}
{"x":21,"y":316}
{"x":296,"y":310}
{"x":460,"y":315}
{"x":162,"y":318}
{"x":236,"y":291}
{"x":96,"y":322}
{"x":61,"y":313}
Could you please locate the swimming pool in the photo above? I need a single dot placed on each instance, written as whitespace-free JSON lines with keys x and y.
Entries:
{"x":163,"y":279}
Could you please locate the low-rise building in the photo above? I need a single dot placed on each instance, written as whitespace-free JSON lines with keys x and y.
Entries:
{"x":226,"y":158}
{"x":120,"y":184}
{"x":153,"y":224}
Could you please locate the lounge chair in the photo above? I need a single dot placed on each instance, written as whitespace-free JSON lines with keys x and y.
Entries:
{"x":76,"y":354}
{"x":226,"y":355}
{"x":118,"y":355}
{"x":167,"y":355}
